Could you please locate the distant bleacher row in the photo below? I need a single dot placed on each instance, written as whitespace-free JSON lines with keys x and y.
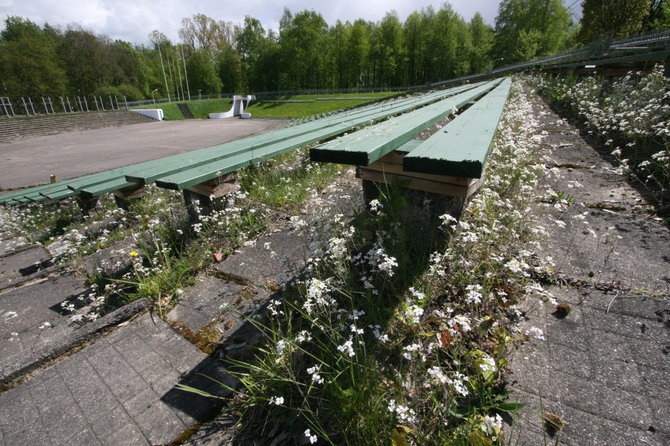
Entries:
{"x":31,"y":126}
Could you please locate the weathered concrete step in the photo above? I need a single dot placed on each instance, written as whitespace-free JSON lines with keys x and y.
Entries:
{"x":118,"y":390}
{"x":270,"y":259}
{"x":627,"y":249}
{"x":22,"y":264}
{"x":10,"y":245}
{"x":215,"y":313}
{"x":597,"y":186}
{"x":32,"y":316}
{"x":12,"y":129}
{"x":601,"y":369}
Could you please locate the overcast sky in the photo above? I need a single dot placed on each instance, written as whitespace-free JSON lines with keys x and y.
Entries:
{"x":132,"y":20}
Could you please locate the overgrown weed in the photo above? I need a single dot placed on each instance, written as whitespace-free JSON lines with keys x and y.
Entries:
{"x":374,"y":344}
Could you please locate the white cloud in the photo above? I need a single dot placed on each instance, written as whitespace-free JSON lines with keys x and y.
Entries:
{"x":132,"y":20}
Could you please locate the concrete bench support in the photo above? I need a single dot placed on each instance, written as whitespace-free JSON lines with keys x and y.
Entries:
{"x":448,"y":194}
{"x":200,"y":198}
{"x":123,"y":196}
{"x":86,"y":204}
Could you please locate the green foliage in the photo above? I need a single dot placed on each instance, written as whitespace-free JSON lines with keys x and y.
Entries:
{"x":108,"y":91}
{"x":527,"y":29}
{"x":612,"y":19}
{"x":131,"y":92}
{"x":659,"y":16}
{"x":302,"y":42}
{"x":202,"y":74}
{"x":28,"y":61}
{"x":287,"y":180}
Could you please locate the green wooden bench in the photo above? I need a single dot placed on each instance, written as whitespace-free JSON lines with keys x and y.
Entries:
{"x":370,"y":144}
{"x":450,"y":162}
{"x":205,"y":166}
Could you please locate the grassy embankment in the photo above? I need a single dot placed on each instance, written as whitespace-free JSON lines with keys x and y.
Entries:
{"x":260,"y":109}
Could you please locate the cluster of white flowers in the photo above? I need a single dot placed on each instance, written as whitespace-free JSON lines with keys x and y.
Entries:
{"x":404,"y":413}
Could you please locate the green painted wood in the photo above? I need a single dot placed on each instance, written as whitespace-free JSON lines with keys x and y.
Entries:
{"x":409,"y":145}
{"x":461,"y":148}
{"x":148,"y":171}
{"x":103,"y":188}
{"x":213,"y":154}
{"x":368,"y":145}
{"x":199,"y":174}
{"x":60,"y":195}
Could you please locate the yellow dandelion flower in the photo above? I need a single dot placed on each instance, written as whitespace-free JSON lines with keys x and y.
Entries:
{"x":134,"y":253}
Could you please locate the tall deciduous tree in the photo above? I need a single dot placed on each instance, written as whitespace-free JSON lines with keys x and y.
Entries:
{"x":526,"y":29}
{"x":28,"y":61}
{"x":302,"y":39}
{"x":482,"y":43}
{"x":202,"y":32}
{"x":612,"y":18}
{"x":202,"y":74}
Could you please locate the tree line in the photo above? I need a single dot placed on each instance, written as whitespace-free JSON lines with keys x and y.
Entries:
{"x":306,"y":52}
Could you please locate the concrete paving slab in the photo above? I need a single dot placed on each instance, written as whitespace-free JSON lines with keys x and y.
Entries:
{"x":604,"y":367}
{"x":111,"y":262}
{"x":30,"y":161}
{"x":104,"y":394}
{"x":12,"y":244}
{"x":611,"y":247}
{"x":22,"y":263}
{"x":595,"y":187}
{"x":273,"y":258}
{"x":201,"y":304}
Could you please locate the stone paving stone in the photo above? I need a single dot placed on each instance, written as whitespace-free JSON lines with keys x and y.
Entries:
{"x":22,"y":263}
{"x":31,"y":316}
{"x":12,"y":244}
{"x":112,"y":261}
{"x":623,"y":243}
{"x":263,"y":263}
{"x":201,"y":304}
{"x":602,"y":187}
{"x":104,"y":394}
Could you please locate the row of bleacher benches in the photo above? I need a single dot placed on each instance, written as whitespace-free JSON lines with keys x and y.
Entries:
{"x":457,"y":152}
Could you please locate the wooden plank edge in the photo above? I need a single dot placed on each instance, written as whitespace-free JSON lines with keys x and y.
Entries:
{"x":454,"y":190}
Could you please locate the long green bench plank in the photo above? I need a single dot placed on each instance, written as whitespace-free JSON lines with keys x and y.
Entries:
{"x":234,"y":148}
{"x":368,"y":145}
{"x":462,"y":148}
{"x":191,"y":177}
{"x":96,"y":190}
{"x":201,"y":158}
{"x":62,"y":189}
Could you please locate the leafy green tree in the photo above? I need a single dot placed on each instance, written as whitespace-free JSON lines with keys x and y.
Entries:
{"x":28,"y":61}
{"x":612,"y":18}
{"x":229,"y":66}
{"x":526,"y":29}
{"x":202,"y":32}
{"x":658,"y":17}
{"x":302,"y":42}
{"x":202,"y":74}
{"x":387,"y":53}
{"x":482,"y":43}
{"x":84,"y":58}
{"x":357,"y":51}
{"x":413,"y":42}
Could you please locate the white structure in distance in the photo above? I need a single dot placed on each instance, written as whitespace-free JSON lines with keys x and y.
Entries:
{"x":153,"y":113}
{"x":240,"y":103}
